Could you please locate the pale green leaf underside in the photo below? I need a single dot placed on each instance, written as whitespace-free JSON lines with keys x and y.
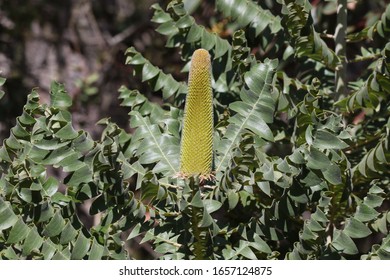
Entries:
{"x":253,"y":112}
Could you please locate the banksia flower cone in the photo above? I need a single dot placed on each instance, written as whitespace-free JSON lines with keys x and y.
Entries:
{"x":197,"y":137}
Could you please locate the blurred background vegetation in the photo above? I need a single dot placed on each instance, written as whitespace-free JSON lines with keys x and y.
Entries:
{"x":80,"y":43}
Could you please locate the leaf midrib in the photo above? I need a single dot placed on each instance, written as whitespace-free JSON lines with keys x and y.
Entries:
{"x":243,"y":123}
{"x":157,"y":144}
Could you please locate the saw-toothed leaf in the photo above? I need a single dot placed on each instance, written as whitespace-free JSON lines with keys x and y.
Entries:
{"x":245,"y":13}
{"x":253,"y":112}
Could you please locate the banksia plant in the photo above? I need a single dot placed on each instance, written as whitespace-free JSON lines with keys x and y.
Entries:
{"x":197,"y":136}
{"x":300,"y":153}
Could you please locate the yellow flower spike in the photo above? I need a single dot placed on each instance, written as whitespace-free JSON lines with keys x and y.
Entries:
{"x":196,"y":152}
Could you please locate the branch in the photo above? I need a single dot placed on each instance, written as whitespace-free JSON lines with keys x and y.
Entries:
{"x":340,"y":41}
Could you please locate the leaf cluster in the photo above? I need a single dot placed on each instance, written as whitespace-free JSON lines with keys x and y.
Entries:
{"x":297,"y":175}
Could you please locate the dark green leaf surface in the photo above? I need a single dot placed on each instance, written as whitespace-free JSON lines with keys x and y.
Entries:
{"x":18,"y":232}
{"x":33,"y":241}
{"x":344,"y":243}
{"x":252,"y":112}
{"x":7,"y":216}
{"x":59,"y":97}
{"x":327,"y":140}
{"x":356,"y":229}
{"x":246,"y":13}
{"x":81,"y":247}
{"x":297,"y":174}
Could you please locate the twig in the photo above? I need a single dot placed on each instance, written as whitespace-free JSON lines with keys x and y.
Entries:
{"x":354,"y":149}
{"x":171,"y":186}
{"x":200,"y":235}
{"x":364,"y":58}
{"x":118,"y":38}
{"x":327,"y":36}
{"x":340,"y":41}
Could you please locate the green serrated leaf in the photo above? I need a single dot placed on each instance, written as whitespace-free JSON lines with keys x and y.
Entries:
{"x":308,"y":235}
{"x":319,"y":216}
{"x":197,"y":201}
{"x":48,"y":249}
{"x":260,"y":245}
{"x":207,"y":220}
{"x":44,"y":211}
{"x":59,"y":96}
{"x":333,"y":174}
{"x":80,"y":247}
{"x":384,"y":250}
{"x":62,"y":255}
{"x":55,"y":226}
{"x":317,"y":160}
{"x":327,"y":140}
{"x":2,"y":81}
{"x":343,"y":243}
{"x":98,"y":205}
{"x":66,"y":133}
{"x":135,"y":231}
{"x":259,"y":80}
{"x":364,"y":213}
{"x":33,"y":241}
{"x":154,"y":146}
{"x":245,"y":251}
{"x":211,"y":205}
{"x":7,"y":216}
{"x":233,"y":198}
{"x":97,"y":251}
{"x":82,"y":175}
{"x":50,"y":187}
{"x":68,"y":233}
{"x":315,"y":226}
{"x":149,"y":72}
{"x":249,"y":13}
{"x":9,"y":254}
{"x":373,"y":200}
{"x":50,"y":144}
{"x":356,"y":229}
{"x":265,"y":187}
{"x":18,"y":232}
